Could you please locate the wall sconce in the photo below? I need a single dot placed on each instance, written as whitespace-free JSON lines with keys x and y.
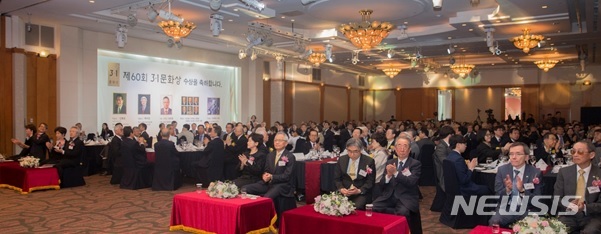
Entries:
{"x":398,"y":88}
{"x":265,"y":77}
{"x":587,"y":83}
{"x":43,"y":53}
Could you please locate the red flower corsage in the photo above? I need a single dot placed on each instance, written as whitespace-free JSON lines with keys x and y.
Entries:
{"x":284,"y":158}
{"x":368,"y":170}
{"x":596,"y":181}
{"x":252,"y":159}
{"x":535,"y":180}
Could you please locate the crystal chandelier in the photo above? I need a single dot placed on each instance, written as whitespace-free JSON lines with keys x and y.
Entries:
{"x":177,"y":30}
{"x":546,"y":64}
{"x":526,"y":41}
{"x":462,"y":69}
{"x":391,"y":71}
{"x":317,"y":58}
{"x":366,"y":34}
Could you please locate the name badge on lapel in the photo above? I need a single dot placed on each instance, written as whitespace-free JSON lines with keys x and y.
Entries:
{"x":70,"y":147}
{"x":362,"y":173}
{"x":528,"y":186}
{"x":281,"y":164}
{"x":593,"y":189}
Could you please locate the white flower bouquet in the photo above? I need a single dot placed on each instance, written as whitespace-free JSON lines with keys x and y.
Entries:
{"x":223,"y":190}
{"x":540,"y":225}
{"x":29,"y":162}
{"x":334,"y":204}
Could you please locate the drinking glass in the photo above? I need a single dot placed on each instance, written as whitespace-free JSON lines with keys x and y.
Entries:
{"x":369,"y":208}
{"x":532,"y":159}
{"x":553,"y":159}
{"x":495,"y":228}
{"x":199,"y":188}
{"x":559,"y":161}
{"x":488,"y":161}
{"x":243,"y":193}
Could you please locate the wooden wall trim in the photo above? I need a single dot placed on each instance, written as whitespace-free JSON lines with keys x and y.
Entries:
{"x":361,"y":104}
{"x":322,"y":100}
{"x":288,"y":96}
{"x":6,"y":89}
{"x":348,"y":104}
{"x":398,"y":106}
{"x":267,"y":101}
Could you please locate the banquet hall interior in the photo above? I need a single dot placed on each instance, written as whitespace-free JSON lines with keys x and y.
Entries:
{"x":64,"y":62}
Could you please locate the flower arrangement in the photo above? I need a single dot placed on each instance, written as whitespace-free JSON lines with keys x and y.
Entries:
{"x":284,"y":158}
{"x":596,"y":181}
{"x":536,"y":180}
{"x":333,"y":204}
{"x":368,"y":170}
{"x":29,"y":162}
{"x":223,"y":190}
{"x":540,"y":225}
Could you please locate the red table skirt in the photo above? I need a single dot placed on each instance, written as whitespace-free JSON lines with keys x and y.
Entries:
{"x":150,"y":156}
{"x":197,"y":212}
{"x":305,"y":220}
{"x":312,"y":179}
{"x":26,"y":180}
{"x":486,"y":230}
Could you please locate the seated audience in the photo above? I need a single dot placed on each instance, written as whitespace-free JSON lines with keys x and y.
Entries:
{"x":55,"y":155}
{"x":400,"y":190}
{"x":312,"y":143}
{"x":550,"y":149}
{"x":71,"y":152}
{"x":26,"y":145}
{"x":144,"y":134}
{"x":251,"y":163}
{"x":577,"y":180}
{"x":186,"y":135}
{"x":380,"y":156}
{"x":355,"y":174}
{"x":106,"y":133}
{"x":277,"y":179}
{"x":464,"y":172}
{"x":234,"y":146}
{"x":485,"y":149}
{"x":214,"y":156}
{"x":38,"y":147}
{"x":115,"y":160}
{"x":514,"y":182}
{"x":167,"y":174}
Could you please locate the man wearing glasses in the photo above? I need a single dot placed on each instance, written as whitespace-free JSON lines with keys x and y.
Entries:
{"x":581,"y":180}
{"x":355,"y":174}
{"x":515,"y":182}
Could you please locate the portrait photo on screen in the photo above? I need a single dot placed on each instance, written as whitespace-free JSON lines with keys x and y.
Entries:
{"x":189,"y":104}
{"x":119,"y":100}
{"x":213,"y":106}
{"x":166,"y":105}
{"x":143,"y":104}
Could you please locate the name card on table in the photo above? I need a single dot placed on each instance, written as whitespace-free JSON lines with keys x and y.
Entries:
{"x":541,"y":164}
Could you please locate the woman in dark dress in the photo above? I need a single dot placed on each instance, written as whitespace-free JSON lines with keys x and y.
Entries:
{"x":252,"y":163}
{"x":59,"y":143}
{"x":38,"y":147}
{"x":484,"y":149}
{"x":106,"y":132}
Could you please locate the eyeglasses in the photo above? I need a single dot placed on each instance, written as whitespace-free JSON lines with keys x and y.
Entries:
{"x":516,"y":154}
{"x":353,"y":151}
{"x":279,"y":140}
{"x":578,"y":151}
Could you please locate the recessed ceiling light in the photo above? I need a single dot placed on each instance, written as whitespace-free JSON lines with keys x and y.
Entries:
{"x":544,"y":6}
{"x":463,"y":25}
{"x":92,"y":1}
{"x":558,"y":31}
{"x":454,"y":46}
{"x":463,"y":50}
{"x":471,"y":29}
{"x":548,"y":38}
{"x":449,"y":38}
{"x":235,"y":9}
{"x":492,"y":64}
{"x":230,"y":20}
{"x":292,"y":20}
{"x":498,"y":21}
{"x":283,"y":17}
{"x":402,"y":49}
{"x":405,"y":22}
{"x":385,"y":43}
{"x":552,"y":44}
{"x":505,"y":55}
{"x":438,"y":15}
{"x":516,"y":62}
{"x":368,"y":57}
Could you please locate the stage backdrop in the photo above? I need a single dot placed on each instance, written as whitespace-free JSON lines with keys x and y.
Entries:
{"x":135,"y":89}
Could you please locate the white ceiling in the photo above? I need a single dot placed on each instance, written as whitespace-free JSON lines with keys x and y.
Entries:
{"x":566,"y":23}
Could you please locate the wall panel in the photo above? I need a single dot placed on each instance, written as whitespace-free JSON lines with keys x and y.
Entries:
{"x":468,"y":100}
{"x":306,"y":102}
{"x":385,"y":104}
{"x":335,"y":104}
{"x":355,"y":104}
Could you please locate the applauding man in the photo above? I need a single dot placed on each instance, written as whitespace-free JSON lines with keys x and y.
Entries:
{"x":400,"y":193}
{"x":355,"y":174}
{"x":516,"y":182}
{"x":277,"y":179}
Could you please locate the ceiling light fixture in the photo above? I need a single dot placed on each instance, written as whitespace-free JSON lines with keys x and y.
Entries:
{"x":253,"y":56}
{"x":390,"y":53}
{"x":132,"y":20}
{"x":317,"y":58}
{"x":254,"y":4}
{"x":365,"y":34}
{"x":526,"y":41}
{"x":546,"y":64}
{"x":462,"y":69}
{"x":215,"y":5}
{"x":437,"y":4}
{"x":403,"y":34}
{"x":152,"y":14}
{"x":173,"y":28}
{"x":329,"y":53}
{"x":391,"y":71}
{"x":355,"y":58}
{"x":242,"y":54}
{"x":450,"y":50}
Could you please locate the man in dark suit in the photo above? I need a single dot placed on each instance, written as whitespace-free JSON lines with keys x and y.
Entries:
{"x":514,"y":182}
{"x":328,"y":137}
{"x":136,"y":171}
{"x":278,"y":177}
{"x":167,"y":174}
{"x":120,"y":107}
{"x":115,"y":159}
{"x":400,"y":191}
{"x":580,"y":180}
{"x":166,"y":110}
{"x":515,"y":136}
{"x":441,"y":152}
{"x":345,"y":134}
{"x":215,"y":155}
{"x":498,"y":141}
{"x":312,"y":143}
{"x":144,"y":135}
{"x":550,"y":147}
{"x":355,"y":174}
{"x":143,"y":107}
{"x":236,"y":145}
{"x":464,"y":172}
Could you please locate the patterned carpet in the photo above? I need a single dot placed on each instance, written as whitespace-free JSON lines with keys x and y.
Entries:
{"x":100,"y":207}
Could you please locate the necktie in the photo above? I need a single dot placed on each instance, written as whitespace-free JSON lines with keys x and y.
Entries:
{"x":277,"y":158}
{"x":400,"y":168}
{"x":119,"y":110}
{"x":580,"y":185}
{"x":352,"y":170}
{"x":514,"y":190}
